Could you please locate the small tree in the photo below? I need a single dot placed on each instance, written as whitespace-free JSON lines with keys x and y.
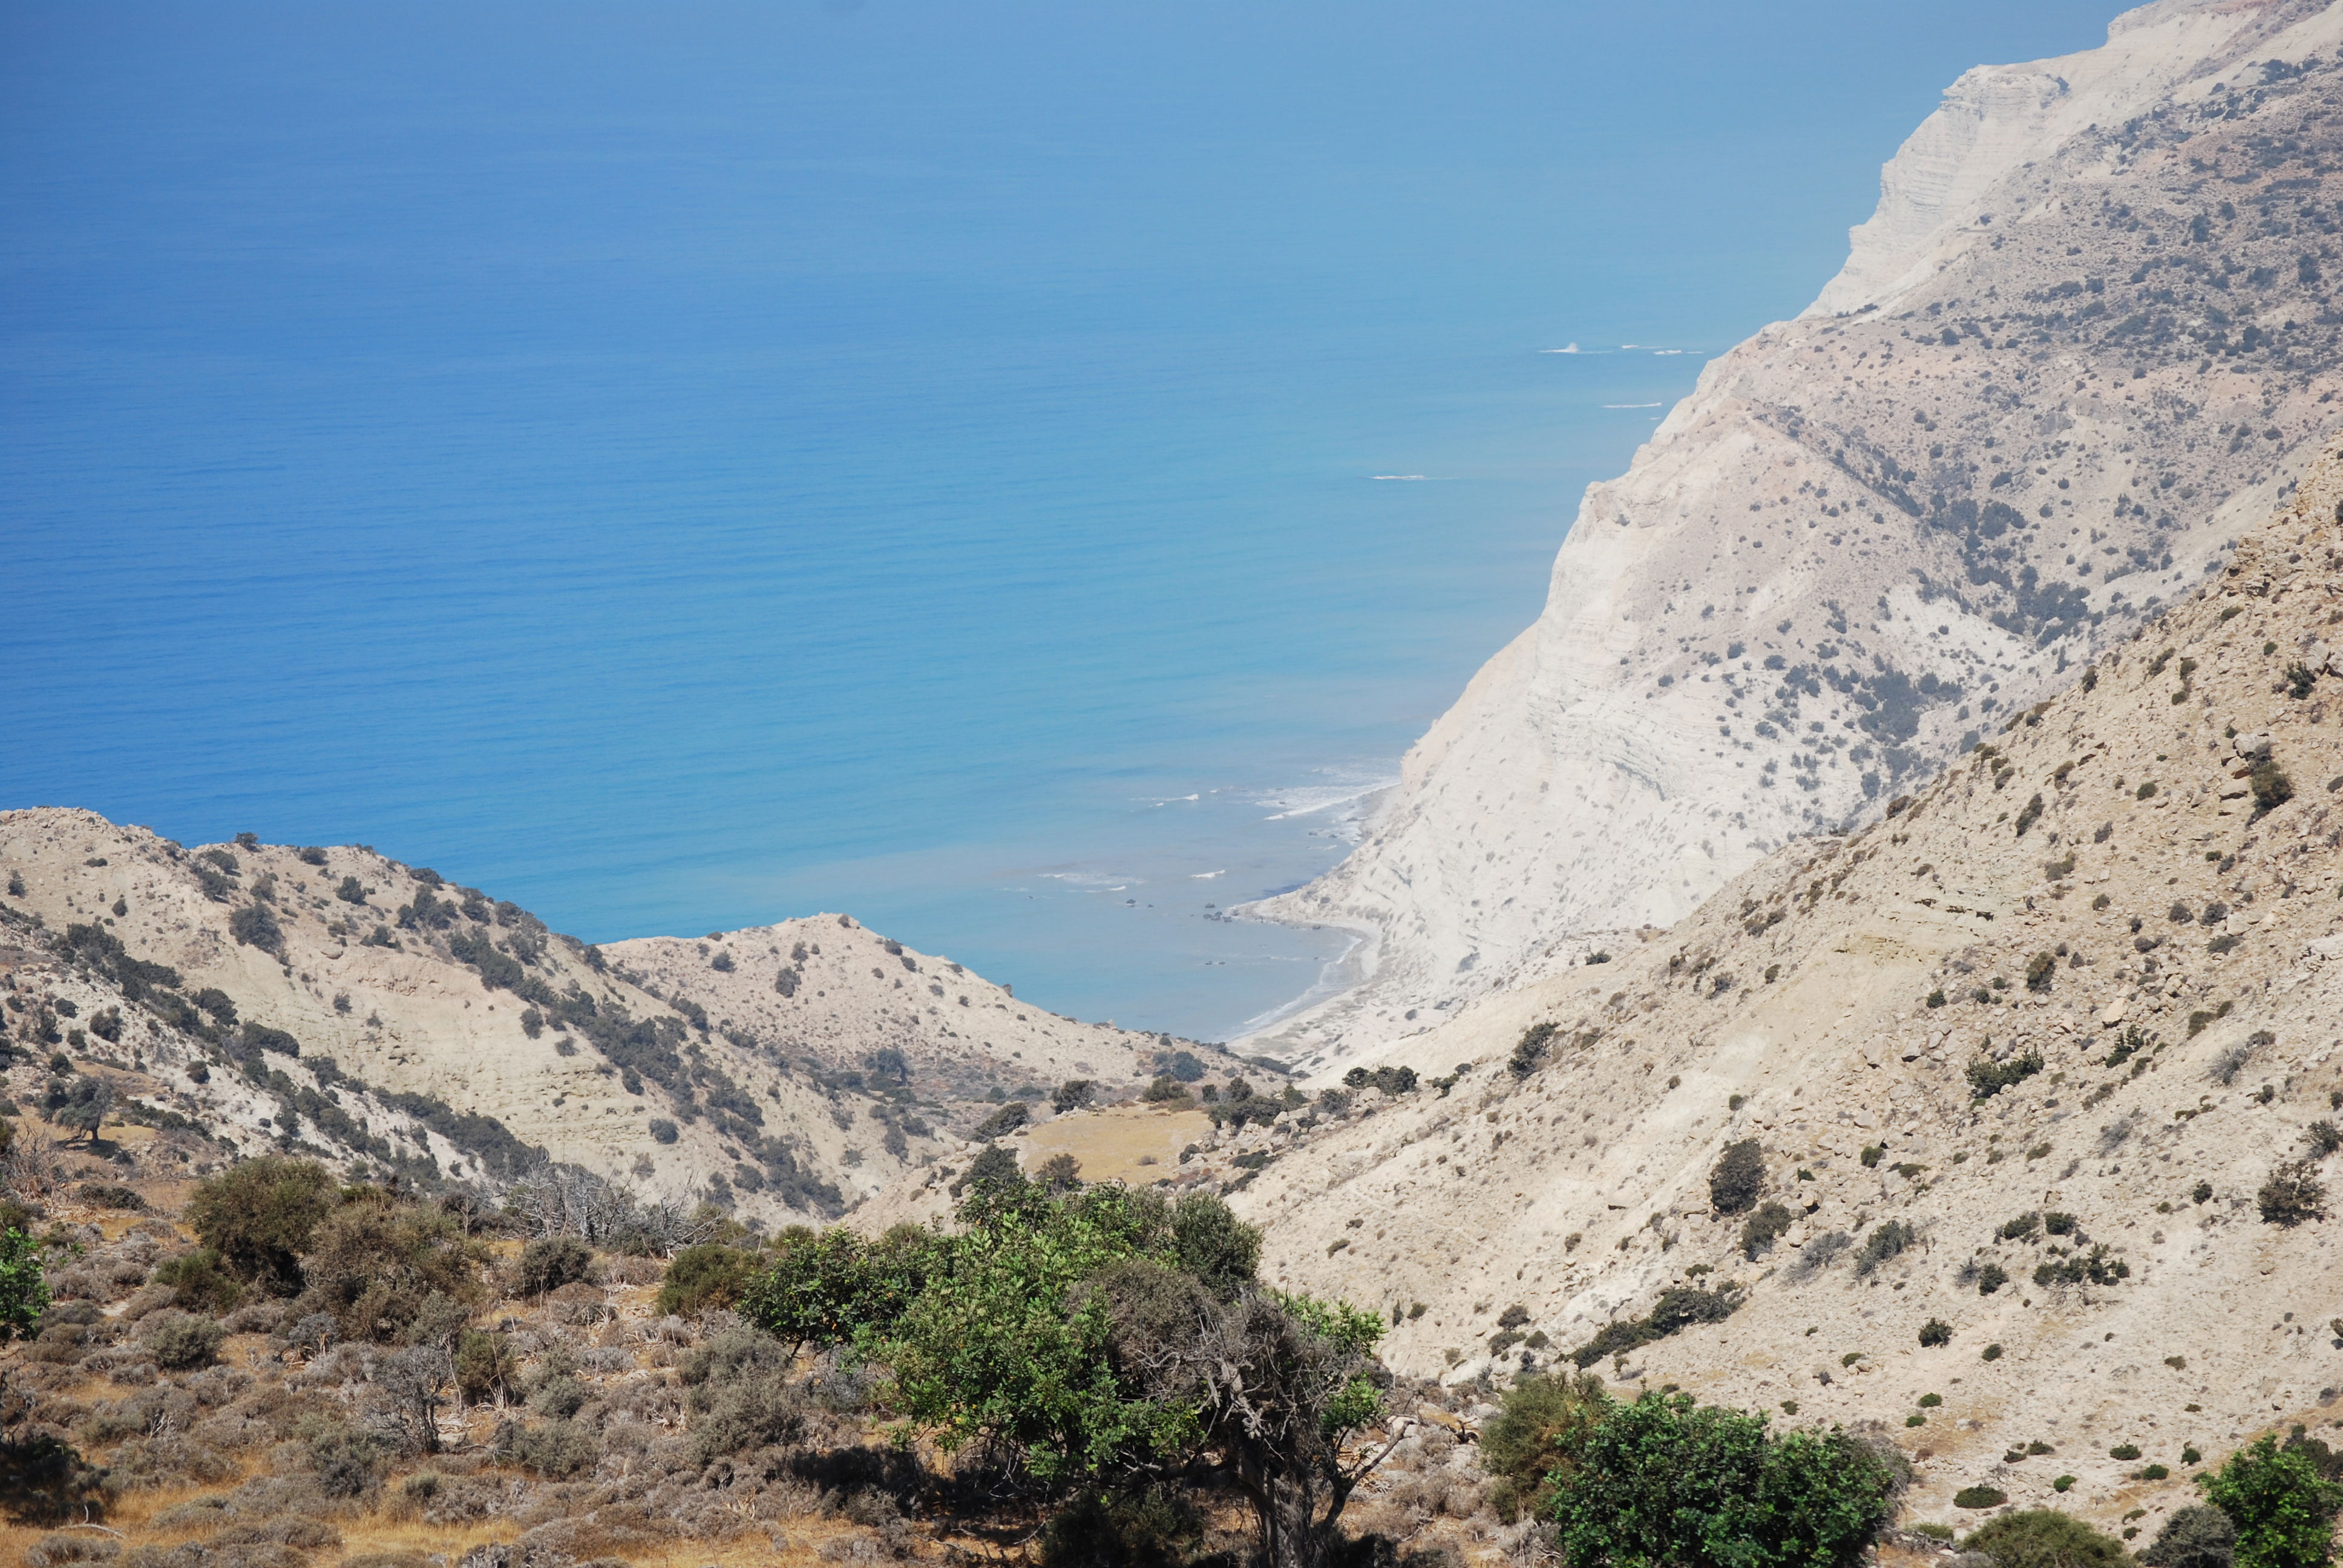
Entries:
{"x":259,"y":1217}
{"x":2283,"y":1508}
{"x":79,"y":1104}
{"x":24,"y":1287}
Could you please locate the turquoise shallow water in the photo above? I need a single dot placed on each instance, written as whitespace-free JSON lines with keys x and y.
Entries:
{"x":683,"y":470}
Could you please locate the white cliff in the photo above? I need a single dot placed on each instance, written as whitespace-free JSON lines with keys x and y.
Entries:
{"x":2089,"y":335}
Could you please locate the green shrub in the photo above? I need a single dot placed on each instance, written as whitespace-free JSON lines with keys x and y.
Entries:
{"x":2040,"y":970}
{"x":199,"y":1281}
{"x":1872,"y":1154}
{"x":1166,"y":1090}
{"x":662,"y":1131}
{"x":549,"y":1262}
{"x":1990,"y":1353}
{"x":1765,"y":1228}
{"x":2043,"y":1538}
{"x":180,"y":1342}
{"x":707,"y":1275}
{"x":1662,"y":1481}
{"x":1073,"y":1095}
{"x":2126,"y":1452}
{"x":2199,"y":1536}
{"x":44,"y":1479}
{"x":1738,"y":1178}
{"x":1531,"y":1048}
{"x":1155,"y":1527}
{"x":260,"y":1215}
{"x":1936,"y":1332}
{"x":24,"y":1290}
{"x":1531,"y":1444}
{"x":556,"y":1450}
{"x":1886,"y":1242}
{"x":2272,"y":788}
{"x":1987,"y":1078}
{"x":2284,"y":1510}
{"x":1979,"y":1497}
{"x":375,"y":1265}
{"x":253,"y":926}
{"x":2291,"y":1194}
{"x":1680,"y":1307}
{"x":487,"y":1365}
{"x":107,"y":1195}
{"x":1007,"y":1120}
{"x":1991,"y":1277}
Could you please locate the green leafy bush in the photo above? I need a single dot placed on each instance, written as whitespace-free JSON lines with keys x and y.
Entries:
{"x":487,"y":1365}
{"x":1664,"y":1480}
{"x":707,"y":1275}
{"x":1680,"y":1307}
{"x":1886,"y":1242}
{"x":2284,"y":1510}
{"x":375,"y":1265}
{"x":253,"y":926}
{"x":1991,"y":1277}
{"x":1005,"y":1121}
{"x":1531,"y":1048}
{"x":199,"y":1281}
{"x":23,"y":1288}
{"x":1979,"y":1497}
{"x":1530,"y":1445}
{"x":2043,"y":1538}
{"x":1936,"y":1332}
{"x":662,"y":1131}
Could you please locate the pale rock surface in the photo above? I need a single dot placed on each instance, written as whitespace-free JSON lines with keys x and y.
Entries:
{"x":2090,"y":335}
{"x":2172,"y":955}
{"x":786,"y":1106}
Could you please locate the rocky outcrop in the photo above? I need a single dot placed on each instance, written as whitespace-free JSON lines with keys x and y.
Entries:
{"x":2090,"y":335}
{"x":2041,"y":1071}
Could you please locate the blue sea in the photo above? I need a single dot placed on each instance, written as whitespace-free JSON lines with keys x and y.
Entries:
{"x":1018,"y":472}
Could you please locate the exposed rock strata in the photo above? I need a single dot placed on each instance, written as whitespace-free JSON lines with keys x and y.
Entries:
{"x":2090,"y":335}
{"x":2135,"y":890}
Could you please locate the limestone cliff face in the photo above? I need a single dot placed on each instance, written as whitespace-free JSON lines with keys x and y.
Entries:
{"x":2089,"y":335}
{"x":2048,"y":1059}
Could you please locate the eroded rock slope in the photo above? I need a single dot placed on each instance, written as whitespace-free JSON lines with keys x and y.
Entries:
{"x":2089,"y":337}
{"x":2049,"y":1056}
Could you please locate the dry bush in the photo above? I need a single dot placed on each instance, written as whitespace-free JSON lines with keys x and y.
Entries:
{"x":64,"y":1546}
{"x":373,"y":1265}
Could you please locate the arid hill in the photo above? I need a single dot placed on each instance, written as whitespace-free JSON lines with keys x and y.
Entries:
{"x":251,"y":997}
{"x":2030,"y":1089}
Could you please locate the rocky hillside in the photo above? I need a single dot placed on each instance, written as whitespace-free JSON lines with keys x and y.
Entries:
{"x":2090,"y":337}
{"x":254,"y":997}
{"x":2033,"y":1087}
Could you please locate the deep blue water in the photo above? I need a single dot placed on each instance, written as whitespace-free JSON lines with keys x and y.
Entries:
{"x":681,"y":467}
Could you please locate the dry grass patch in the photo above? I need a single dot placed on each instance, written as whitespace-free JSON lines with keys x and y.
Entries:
{"x":1118,"y":1144}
